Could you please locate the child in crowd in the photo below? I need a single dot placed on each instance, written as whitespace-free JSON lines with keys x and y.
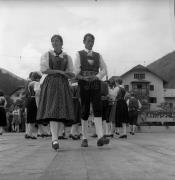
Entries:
{"x":16,"y":118}
{"x":134,"y":106}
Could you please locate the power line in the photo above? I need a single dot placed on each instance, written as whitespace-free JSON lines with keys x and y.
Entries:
{"x":20,"y":57}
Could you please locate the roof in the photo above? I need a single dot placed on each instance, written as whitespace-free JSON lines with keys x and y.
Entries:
{"x":142,"y":68}
{"x":19,"y":87}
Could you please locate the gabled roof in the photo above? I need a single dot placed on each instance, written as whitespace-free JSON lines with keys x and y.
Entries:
{"x":142,"y":68}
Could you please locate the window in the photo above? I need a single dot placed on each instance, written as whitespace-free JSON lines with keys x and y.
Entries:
{"x":139,"y":76}
{"x":152,"y":100}
{"x":139,"y":86}
{"x":126,"y":87}
{"x":151,"y":87}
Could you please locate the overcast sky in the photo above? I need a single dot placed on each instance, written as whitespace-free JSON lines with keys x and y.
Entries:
{"x":127,"y":32}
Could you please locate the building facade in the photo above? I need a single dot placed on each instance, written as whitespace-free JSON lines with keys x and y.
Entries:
{"x":148,"y":86}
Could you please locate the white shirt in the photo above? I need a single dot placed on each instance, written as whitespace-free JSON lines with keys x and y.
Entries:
{"x":103,"y":67}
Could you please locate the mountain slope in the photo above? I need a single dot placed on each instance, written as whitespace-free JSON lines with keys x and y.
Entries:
{"x":9,"y":81}
{"x":165,"y":68}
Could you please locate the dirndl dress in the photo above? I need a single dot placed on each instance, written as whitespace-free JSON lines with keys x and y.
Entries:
{"x":121,"y":114}
{"x":55,"y":102}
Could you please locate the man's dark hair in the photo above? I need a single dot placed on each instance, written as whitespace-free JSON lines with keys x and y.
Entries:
{"x":88,"y":34}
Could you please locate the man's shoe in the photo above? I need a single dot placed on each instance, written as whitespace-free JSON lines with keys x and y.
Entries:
{"x":102,"y":141}
{"x":123,"y":136}
{"x":84,"y":143}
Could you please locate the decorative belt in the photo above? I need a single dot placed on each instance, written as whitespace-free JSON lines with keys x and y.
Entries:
{"x":88,"y":73}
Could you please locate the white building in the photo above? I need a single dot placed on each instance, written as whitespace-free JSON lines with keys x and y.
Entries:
{"x":148,"y":86}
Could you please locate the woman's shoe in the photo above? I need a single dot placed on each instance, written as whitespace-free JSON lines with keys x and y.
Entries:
{"x":55,"y":145}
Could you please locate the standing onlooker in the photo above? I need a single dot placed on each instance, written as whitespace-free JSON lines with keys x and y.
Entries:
{"x":90,"y":69}
{"x":134,"y":106}
{"x":31,"y":106}
{"x":55,"y":103}
{"x":16,"y":118}
{"x":3,"y":120}
{"x":121,"y":115}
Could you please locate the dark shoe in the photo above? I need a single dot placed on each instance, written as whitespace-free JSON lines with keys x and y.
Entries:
{"x":61,"y":137}
{"x":102,"y":141}
{"x":117,"y":133}
{"x":74,"y":137}
{"x":123,"y":136}
{"x":111,"y":135}
{"x":32,"y":137}
{"x":94,"y":136}
{"x":132,"y":133}
{"x":55,"y":145}
{"x":84,"y":143}
{"x":27,"y":136}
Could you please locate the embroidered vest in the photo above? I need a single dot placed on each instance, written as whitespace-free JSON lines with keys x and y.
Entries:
{"x":89,"y":62}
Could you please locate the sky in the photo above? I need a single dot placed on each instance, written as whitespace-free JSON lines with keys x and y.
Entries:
{"x":127,"y":32}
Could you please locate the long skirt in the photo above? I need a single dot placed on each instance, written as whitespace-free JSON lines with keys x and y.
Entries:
{"x":3,"y":120}
{"x":121,"y":115}
{"x":55,"y":103}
